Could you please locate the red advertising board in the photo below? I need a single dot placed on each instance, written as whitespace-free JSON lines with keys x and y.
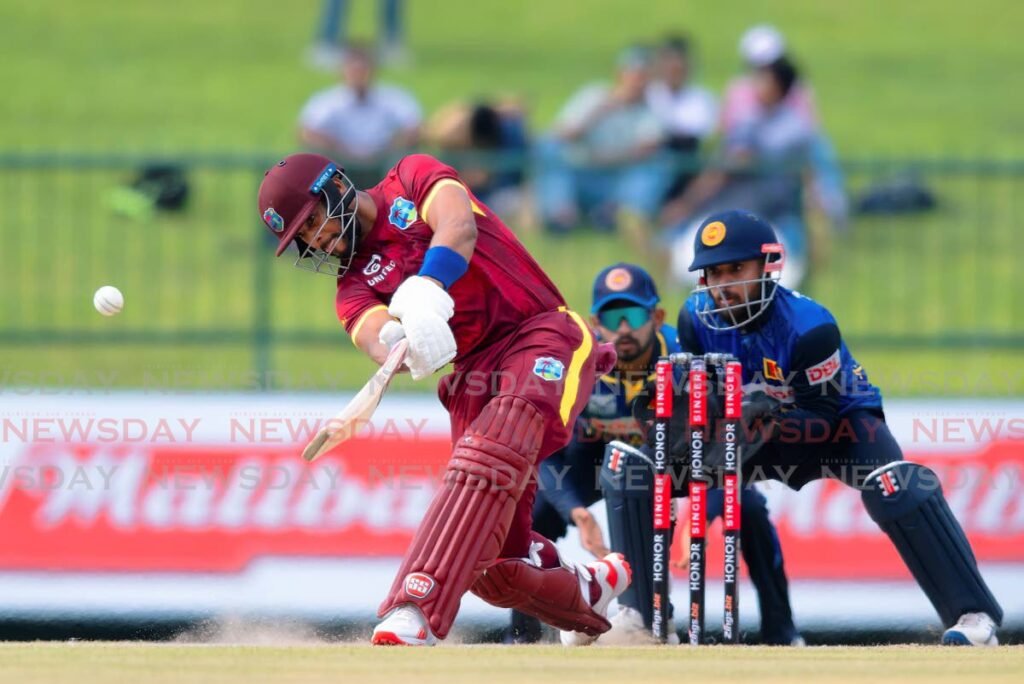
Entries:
{"x":216,"y":507}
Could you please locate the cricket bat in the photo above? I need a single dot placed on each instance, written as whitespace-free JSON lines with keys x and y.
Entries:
{"x":360,"y":409}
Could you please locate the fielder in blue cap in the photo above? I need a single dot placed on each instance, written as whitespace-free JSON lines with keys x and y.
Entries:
{"x":799,"y":379}
{"x":607,"y":441}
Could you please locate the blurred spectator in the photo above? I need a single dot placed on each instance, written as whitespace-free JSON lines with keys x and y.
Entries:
{"x":760,"y":169}
{"x":360,"y":122}
{"x":487,"y":143}
{"x":760,"y":46}
{"x":687,"y":112}
{"x":329,"y":49}
{"x":601,"y":163}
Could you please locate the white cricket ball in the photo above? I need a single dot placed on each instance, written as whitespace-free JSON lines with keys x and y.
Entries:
{"x":108,"y":300}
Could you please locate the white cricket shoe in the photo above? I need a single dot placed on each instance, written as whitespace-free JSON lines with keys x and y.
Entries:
{"x":613,"y":575}
{"x":972,"y":629}
{"x":628,"y":629}
{"x":403,"y":626}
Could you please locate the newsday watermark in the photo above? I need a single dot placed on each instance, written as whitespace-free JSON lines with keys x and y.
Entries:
{"x":94,"y":427}
{"x":172,"y":380}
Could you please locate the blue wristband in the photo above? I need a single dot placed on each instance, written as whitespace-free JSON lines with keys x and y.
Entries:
{"x":444,"y":264}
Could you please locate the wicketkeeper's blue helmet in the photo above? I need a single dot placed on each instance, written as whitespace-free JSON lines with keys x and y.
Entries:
{"x":729,"y":237}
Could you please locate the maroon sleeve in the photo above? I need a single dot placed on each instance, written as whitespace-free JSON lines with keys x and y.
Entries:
{"x":353,"y":301}
{"x":419,"y":172}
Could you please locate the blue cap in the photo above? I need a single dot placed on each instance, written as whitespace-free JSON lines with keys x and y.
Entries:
{"x":730,"y":236}
{"x":624,"y":281}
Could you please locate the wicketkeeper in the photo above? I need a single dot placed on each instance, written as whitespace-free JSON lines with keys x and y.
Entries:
{"x":811,"y":412}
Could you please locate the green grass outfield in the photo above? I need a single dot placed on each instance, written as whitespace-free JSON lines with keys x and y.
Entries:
{"x":892,"y":79}
{"x":87,"y":663}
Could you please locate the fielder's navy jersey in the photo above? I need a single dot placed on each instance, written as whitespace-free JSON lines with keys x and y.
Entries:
{"x":608,"y":415}
{"x":793,"y":353}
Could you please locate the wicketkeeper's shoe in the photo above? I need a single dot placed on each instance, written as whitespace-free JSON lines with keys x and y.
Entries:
{"x":403,"y":626}
{"x":972,"y":629}
{"x":612,"y":575}
{"x":628,"y":629}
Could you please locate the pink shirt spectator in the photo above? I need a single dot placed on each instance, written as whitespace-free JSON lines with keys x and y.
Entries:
{"x":740,"y":103}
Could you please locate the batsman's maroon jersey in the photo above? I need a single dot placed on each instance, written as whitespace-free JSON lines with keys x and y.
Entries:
{"x":503,"y":287}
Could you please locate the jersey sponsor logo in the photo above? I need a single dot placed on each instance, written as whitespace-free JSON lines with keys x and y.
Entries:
{"x":618,"y":279}
{"x":772,"y":370}
{"x":403,"y":213}
{"x":373,"y":266}
{"x":548,"y":368}
{"x":418,"y":585}
{"x":713,"y":234}
{"x":273,"y":220}
{"x":378,"y":270}
{"x":602,"y":405}
{"x":825,"y":370}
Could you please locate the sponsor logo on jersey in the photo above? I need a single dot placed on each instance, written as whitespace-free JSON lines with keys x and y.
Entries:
{"x":273,"y":220}
{"x":403,"y":213}
{"x":548,"y":368}
{"x":825,"y":370}
{"x":772,"y":370}
{"x":602,"y":405}
{"x":418,"y":585}
{"x":713,"y":234}
{"x":375,"y":266}
{"x":378,"y":270}
{"x":618,"y":279}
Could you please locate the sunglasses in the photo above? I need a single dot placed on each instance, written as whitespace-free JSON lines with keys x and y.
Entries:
{"x":636,"y":317}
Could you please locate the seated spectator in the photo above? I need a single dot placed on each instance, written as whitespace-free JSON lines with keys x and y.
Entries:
{"x":760,"y":46}
{"x":686,"y":111}
{"x":760,"y":169}
{"x":487,"y":143}
{"x":359,"y":122}
{"x":602,"y":164}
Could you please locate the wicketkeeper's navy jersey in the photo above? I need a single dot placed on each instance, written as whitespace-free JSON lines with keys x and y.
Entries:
{"x":793,"y":352}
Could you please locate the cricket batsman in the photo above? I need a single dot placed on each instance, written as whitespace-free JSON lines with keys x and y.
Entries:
{"x":799,"y":377}
{"x":419,"y":257}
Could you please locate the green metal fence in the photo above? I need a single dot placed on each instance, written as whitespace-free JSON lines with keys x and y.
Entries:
{"x":206,"y":301}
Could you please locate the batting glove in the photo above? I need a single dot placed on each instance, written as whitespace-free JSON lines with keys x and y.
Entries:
{"x":418,"y":295}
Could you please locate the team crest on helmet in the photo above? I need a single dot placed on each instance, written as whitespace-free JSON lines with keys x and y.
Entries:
{"x":403,"y":213}
{"x":548,"y":368}
{"x":618,"y":279}
{"x":273,"y":220}
{"x":713,"y":234}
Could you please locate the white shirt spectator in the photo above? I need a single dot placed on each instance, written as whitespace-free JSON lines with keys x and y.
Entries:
{"x":690,"y":112}
{"x":614,"y":130}
{"x":365,"y":127}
